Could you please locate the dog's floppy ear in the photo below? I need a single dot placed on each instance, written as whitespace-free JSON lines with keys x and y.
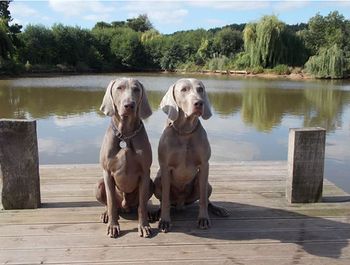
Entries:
{"x":169,"y":105}
{"x":107,"y":106}
{"x":207,"y":109}
{"x":144,"y":108}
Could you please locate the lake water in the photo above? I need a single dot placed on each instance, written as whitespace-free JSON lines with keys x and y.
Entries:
{"x":251,"y":117}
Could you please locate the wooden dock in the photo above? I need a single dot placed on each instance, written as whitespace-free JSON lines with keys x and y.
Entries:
{"x":262,"y":229}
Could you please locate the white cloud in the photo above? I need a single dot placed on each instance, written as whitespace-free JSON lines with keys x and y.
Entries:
{"x":85,"y":9}
{"x":164,"y":12}
{"x":231,"y":5}
{"x":21,"y":10}
{"x":290,"y":5}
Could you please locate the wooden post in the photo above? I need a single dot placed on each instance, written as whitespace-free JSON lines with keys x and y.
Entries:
{"x":305,"y":165}
{"x":19,"y":165}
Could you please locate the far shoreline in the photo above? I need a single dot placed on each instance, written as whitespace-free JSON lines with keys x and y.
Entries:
{"x":231,"y":73}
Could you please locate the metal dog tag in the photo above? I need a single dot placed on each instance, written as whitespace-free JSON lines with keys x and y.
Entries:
{"x":122,"y":144}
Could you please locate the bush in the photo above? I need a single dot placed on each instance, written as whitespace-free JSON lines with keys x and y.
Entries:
{"x":219,"y":63}
{"x":241,"y":61}
{"x":189,"y":67}
{"x":11,"y":67}
{"x":281,"y":69}
{"x":256,"y":70}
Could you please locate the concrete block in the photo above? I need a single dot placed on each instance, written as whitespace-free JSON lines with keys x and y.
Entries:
{"x":19,"y":165}
{"x":306,"y":151}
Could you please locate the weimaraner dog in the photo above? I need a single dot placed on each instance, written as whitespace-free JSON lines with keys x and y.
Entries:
{"x":125,"y":155}
{"x":184,"y":153}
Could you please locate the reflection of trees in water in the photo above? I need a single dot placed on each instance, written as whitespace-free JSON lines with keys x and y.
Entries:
{"x":260,"y":107}
{"x":325,"y":108}
{"x":44,"y":102}
{"x":154,"y":98}
{"x":264,"y":108}
{"x":225,"y":103}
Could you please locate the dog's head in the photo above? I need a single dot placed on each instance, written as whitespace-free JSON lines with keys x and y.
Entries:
{"x":188,"y":95}
{"x":126,"y":97}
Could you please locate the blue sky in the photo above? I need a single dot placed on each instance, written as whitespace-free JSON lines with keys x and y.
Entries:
{"x":169,"y":16}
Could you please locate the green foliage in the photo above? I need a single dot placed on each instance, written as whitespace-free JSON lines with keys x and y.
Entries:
{"x":141,"y":23}
{"x":270,"y":43}
{"x":135,"y":45}
{"x":173,"y":56}
{"x":38,"y":45}
{"x":256,"y":69}
{"x":6,"y":45}
{"x":328,"y":63}
{"x":281,"y":69}
{"x":227,"y":42}
{"x":127,"y":49}
{"x":326,"y":31}
{"x":219,"y":63}
{"x":241,"y":61}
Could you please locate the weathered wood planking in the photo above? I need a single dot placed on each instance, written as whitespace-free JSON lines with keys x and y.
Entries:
{"x":263,"y":227}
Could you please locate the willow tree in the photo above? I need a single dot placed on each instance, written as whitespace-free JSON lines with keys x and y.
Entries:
{"x":263,"y":41}
{"x":6,"y":45}
{"x":328,"y":63}
{"x":269,"y":43}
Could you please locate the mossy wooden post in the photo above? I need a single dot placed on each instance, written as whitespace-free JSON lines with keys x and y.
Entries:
{"x":19,"y":165}
{"x":306,"y":152}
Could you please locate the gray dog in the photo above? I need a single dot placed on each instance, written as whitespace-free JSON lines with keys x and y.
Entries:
{"x":184,"y":152}
{"x":126,"y":155}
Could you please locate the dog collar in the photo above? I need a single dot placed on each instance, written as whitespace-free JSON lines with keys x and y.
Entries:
{"x":124,"y":138}
{"x":183,"y":132}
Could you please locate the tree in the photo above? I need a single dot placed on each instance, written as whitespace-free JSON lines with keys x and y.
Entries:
{"x":127,"y":49}
{"x":270,"y":43}
{"x":173,"y":56}
{"x":327,"y":31}
{"x":75,"y":47}
{"x":6,"y":45}
{"x":328,"y":63}
{"x":141,"y":23}
{"x":38,"y":45}
{"x":5,"y":15}
{"x":228,"y":42}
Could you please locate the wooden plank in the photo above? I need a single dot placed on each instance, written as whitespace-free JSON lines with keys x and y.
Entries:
{"x":151,"y":253}
{"x":262,"y":229}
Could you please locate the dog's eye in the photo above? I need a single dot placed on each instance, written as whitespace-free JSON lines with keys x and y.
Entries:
{"x":119,"y":87}
{"x":136,"y":89}
{"x":200,"y":89}
{"x":184,"y":89}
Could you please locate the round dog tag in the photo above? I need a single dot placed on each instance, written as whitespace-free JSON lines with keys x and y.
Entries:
{"x":122,"y":144}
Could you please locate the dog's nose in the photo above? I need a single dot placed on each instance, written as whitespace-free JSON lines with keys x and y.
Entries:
{"x":198,"y":103}
{"x":130,"y":105}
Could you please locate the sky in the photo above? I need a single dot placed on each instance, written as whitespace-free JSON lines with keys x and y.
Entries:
{"x":169,"y":16}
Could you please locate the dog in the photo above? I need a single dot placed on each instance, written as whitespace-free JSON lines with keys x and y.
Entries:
{"x":125,"y":156}
{"x":184,"y":152}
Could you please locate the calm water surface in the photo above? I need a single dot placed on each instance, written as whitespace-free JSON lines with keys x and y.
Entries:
{"x":250,"y":122}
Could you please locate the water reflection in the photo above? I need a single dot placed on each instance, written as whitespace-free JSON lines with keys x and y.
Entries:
{"x":250,"y":122}
{"x":263,"y":108}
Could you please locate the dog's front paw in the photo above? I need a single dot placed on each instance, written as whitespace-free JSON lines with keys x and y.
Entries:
{"x":113,"y":229}
{"x":164,"y":225}
{"x":145,"y":230}
{"x":104,"y":217}
{"x":203,"y":223}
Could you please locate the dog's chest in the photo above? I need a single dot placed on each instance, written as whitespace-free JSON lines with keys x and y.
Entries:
{"x":126,"y":170}
{"x":185,"y":161}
